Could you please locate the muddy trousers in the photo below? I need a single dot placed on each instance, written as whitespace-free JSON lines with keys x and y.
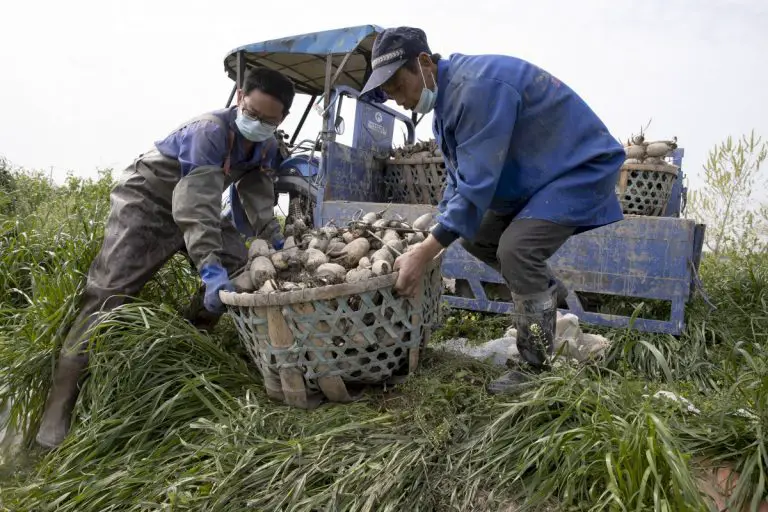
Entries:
{"x":140,"y":238}
{"x":519,"y":250}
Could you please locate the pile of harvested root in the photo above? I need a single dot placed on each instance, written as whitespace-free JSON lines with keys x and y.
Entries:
{"x":425,"y":149}
{"x":640,"y":151}
{"x":330,"y":255}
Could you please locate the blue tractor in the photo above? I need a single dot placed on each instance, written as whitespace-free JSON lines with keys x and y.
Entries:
{"x":648,"y":257}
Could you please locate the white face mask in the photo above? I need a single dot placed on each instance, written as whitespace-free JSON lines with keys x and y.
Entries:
{"x":428,"y":97}
{"x":253,"y":129}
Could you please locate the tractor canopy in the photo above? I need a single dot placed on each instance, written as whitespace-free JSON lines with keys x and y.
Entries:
{"x":303,"y":58}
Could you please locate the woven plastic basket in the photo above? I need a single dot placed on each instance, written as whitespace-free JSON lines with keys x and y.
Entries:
{"x":310,"y":343}
{"x":644,"y":189}
{"x":416,"y":180}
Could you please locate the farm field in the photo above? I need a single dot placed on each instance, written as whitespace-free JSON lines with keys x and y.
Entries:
{"x":173,"y":419}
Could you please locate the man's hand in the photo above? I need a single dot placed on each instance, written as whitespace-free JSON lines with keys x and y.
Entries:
{"x":215,"y":279}
{"x":412,"y":266}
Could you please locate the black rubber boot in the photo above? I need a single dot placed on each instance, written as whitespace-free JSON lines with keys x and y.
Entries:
{"x":535,"y":320}
{"x":61,"y":400}
{"x":561,"y":292}
{"x":200,"y":317}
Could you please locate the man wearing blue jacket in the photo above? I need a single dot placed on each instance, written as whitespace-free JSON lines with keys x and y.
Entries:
{"x":528,"y":163}
{"x":169,"y":200}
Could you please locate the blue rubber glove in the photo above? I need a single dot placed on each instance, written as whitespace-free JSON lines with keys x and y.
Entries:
{"x":278,"y":241}
{"x":215,"y":279}
{"x":276,"y":234}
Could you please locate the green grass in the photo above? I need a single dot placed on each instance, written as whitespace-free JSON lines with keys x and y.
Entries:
{"x":173,"y":419}
{"x":475,"y":326}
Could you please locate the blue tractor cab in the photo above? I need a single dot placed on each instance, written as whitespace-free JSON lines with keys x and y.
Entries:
{"x":644,"y":258}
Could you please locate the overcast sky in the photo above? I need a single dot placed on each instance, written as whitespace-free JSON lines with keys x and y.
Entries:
{"x":86,"y":84}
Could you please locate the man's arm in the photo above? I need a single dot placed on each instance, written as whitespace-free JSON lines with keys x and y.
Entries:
{"x":485,"y":112}
{"x":196,"y":203}
{"x":448,"y":193}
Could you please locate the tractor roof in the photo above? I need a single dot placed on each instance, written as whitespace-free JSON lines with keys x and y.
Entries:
{"x":303,"y":57}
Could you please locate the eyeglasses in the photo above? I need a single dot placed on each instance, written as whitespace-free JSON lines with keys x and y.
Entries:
{"x":256,"y":117}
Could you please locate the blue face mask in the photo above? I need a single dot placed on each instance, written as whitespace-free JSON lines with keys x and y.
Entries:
{"x":253,"y":129}
{"x":428,"y":97}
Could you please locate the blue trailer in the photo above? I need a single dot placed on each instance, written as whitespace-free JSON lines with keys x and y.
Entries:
{"x":642,"y":258}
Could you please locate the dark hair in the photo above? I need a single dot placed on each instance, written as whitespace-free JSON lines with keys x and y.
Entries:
{"x":413,"y":66}
{"x":273,"y":83}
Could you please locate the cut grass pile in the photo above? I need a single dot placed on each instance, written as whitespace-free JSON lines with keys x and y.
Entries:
{"x":172,"y":419}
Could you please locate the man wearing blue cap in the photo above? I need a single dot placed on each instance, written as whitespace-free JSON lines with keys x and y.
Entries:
{"x":528,"y":163}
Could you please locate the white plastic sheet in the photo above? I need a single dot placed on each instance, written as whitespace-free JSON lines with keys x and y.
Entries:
{"x":570,"y":342}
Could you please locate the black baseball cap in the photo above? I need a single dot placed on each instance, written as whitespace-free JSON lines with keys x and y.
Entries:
{"x":393,"y":48}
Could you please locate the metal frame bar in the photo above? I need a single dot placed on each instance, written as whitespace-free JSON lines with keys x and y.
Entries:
{"x":303,"y":118}
{"x":328,"y":134}
{"x":231,"y":96}
{"x":337,"y":114}
{"x":341,"y":68}
{"x":240,"y":69}
{"x":240,"y":78}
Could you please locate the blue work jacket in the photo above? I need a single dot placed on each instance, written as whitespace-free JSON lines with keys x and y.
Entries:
{"x":518,"y":141}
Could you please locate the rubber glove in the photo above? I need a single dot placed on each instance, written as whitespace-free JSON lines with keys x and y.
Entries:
{"x":215,"y":279}
{"x":277,"y":240}
{"x":276,"y":237}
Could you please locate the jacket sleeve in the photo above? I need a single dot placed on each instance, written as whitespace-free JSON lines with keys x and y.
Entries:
{"x":196,"y":202}
{"x":257,"y":195}
{"x":448,"y":193}
{"x":484,"y":112}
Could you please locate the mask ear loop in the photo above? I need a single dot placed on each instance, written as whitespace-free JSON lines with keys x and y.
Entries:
{"x":424,"y":81}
